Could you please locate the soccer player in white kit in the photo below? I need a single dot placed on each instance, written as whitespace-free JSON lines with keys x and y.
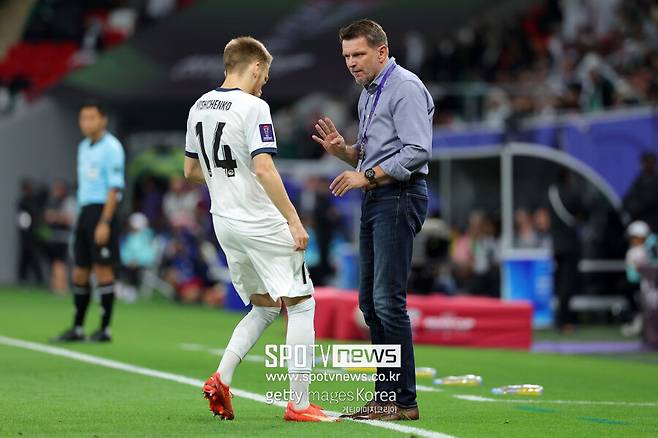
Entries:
{"x":229,"y":146}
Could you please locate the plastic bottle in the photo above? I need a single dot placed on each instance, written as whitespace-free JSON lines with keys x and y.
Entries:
{"x":467,"y":380}
{"x":425,"y":372}
{"x":534,"y":390}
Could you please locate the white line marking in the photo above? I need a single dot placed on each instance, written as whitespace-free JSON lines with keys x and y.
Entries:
{"x":108,"y":363}
{"x":247,"y":358}
{"x":478,"y":398}
{"x":192,"y":347}
{"x":428,"y":388}
{"x":220,"y":352}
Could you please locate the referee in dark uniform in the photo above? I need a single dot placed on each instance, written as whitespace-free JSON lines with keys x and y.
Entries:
{"x":391,"y":157}
{"x":101,"y":162}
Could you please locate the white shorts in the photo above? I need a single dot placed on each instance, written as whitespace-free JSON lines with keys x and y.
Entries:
{"x":264,"y":264}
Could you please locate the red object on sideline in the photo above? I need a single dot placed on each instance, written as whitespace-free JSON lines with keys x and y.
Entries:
{"x":458,"y":321}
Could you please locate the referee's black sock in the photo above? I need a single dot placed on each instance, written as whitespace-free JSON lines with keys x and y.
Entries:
{"x":81,"y":297}
{"x":106,"y":292}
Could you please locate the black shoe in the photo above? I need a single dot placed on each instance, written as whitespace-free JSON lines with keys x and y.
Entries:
{"x":71,"y":335}
{"x":101,"y":335}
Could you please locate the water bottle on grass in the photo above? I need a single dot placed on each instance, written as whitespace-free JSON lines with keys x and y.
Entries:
{"x":466,"y":380}
{"x":526,"y":389}
{"x":425,"y":372}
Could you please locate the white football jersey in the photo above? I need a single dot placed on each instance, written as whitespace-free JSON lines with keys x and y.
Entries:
{"x":226,"y":128}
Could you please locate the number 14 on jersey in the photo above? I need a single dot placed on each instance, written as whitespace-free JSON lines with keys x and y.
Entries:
{"x":228,"y":163}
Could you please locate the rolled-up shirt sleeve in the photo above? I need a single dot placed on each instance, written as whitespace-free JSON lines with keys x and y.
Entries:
{"x":412,"y":116}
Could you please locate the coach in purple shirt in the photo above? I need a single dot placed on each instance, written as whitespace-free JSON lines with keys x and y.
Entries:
{"x":390,"y":157}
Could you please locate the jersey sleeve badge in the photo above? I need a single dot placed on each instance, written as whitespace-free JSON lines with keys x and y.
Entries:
{"x":266,"y":132}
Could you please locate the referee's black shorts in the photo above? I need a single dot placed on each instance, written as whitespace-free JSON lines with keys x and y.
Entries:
{"x":85,"y":251}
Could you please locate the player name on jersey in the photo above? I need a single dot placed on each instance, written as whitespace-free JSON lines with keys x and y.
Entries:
{"x":226,"y":141}
{"x":215,"y":104}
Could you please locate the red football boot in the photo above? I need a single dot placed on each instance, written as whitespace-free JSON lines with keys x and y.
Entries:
{"x":219,"y":397}
{"x":313,"y":413}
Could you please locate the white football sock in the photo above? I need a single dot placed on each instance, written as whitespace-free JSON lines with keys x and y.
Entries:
{"x":301,"y":333}
{"x":244,"y":337}
{"x":227,"y":366}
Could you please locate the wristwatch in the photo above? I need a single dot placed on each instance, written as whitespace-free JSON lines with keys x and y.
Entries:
{"x":370,"y":175}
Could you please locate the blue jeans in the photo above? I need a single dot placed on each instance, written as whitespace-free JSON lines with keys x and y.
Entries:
{"x":391,"y":216}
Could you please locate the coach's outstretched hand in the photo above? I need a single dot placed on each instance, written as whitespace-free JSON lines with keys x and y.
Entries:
{"x":330,"y":138}
{"x":299,"y":235}
{"x":334,"y":143}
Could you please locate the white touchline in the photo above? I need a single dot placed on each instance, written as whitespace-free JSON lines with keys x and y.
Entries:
{"x":109,"y":363}
{"x":427,"y":388}
{"x":220,"y":352}
{"x":478,"y":398}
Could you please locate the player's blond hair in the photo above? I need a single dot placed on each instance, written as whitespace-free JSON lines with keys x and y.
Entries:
{"x":242,"y":51}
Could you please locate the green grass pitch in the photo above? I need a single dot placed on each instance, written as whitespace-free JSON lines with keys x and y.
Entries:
{"x":46,"y":395}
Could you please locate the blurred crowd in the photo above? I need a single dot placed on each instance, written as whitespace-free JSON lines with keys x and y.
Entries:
{"x":572,"y":55}
{"x":553,"y":56}
{"x":466,"y":260}
{"x":96,"y":24}
{"x":62,"y":35}
{"x":168,"y":243}
{"x":557,"y":56}
{"x":44,"y":221}
{"x":165,"y":246}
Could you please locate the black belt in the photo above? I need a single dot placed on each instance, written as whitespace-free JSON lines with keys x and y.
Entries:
{"x":414,"y":177}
